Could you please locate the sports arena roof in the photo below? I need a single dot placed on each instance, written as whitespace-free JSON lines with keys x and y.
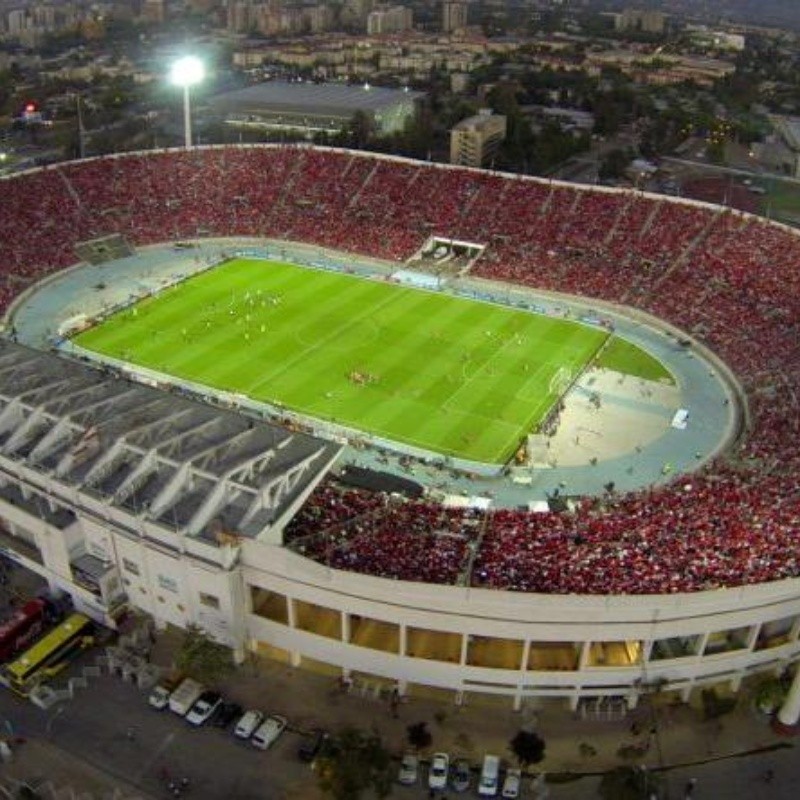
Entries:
{"x":333,"y":99}
{"x":333,"y":103}
{"x":151,"y":453}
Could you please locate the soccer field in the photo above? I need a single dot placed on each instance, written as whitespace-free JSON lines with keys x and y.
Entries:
{"x":459,"y":377}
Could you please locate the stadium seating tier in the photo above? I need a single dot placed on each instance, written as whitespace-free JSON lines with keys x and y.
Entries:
{"x":735,"y":523}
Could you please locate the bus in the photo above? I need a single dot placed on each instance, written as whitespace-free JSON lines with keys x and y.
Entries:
{"x":22,"y":627}
{"x":49,"y":655}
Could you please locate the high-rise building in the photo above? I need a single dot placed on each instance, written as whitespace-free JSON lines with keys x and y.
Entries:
{"x":647,"y":21}
{"x":355,"y":11}
{"x":318,"y":18}
{"x":153,"y":10}
{"x":239,"y":16}
{"x":454,"y":15}
{"x":17,"y":21}
{"x":391,"y":19}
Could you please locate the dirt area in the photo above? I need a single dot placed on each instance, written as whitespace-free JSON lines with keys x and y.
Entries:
{"x":608,"y":415}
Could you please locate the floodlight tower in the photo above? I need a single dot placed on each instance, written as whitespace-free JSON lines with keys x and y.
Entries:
{"x":186,"y":72}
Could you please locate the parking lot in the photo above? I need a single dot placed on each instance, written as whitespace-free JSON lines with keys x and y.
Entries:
{"x":111,"y":727}
{"x":111,"y":730}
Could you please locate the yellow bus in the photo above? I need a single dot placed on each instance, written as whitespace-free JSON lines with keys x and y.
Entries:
{"x":49,"y":655}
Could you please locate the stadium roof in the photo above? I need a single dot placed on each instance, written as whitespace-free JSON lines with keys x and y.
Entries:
{"x":329,"y":99}
{"x":156,"y":455}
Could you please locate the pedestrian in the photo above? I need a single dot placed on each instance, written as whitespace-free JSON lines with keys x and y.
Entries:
{"x":768,"y":776}
{"x":691,"y":783}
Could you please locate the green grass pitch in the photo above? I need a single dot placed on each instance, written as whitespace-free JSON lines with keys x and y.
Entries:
{"x":456,"y":376}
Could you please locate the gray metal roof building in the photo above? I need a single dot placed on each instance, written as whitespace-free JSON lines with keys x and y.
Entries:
{"x":315,"y":106}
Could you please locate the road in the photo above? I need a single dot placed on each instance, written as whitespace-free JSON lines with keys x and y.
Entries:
{"x":110,"y":727}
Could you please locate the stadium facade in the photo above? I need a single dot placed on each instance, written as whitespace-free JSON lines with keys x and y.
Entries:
{"x":130,"y":496}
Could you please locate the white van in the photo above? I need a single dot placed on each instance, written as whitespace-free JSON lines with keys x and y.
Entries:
{"x":268,"y":731}
{"x":489,"y":781}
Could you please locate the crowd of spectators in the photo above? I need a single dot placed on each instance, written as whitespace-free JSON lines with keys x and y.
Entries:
{"x":732,"y":281}
{"x":385,"y":536}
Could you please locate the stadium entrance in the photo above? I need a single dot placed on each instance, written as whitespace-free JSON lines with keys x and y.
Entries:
{"x":445,"y":258}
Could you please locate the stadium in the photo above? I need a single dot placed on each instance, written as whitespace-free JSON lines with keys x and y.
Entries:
{"x":147,"y":464}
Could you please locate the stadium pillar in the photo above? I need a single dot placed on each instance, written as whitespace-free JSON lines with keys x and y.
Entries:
{"x":789,"y":715}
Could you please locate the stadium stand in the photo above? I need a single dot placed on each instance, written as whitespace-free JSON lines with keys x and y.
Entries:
{"x":733,"y":281}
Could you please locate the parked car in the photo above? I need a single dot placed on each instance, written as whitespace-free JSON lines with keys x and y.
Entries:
{"x":159,"y":695}
{"x":461,"y":776}
{"x":226,"y":714}
{"x":185,"y":696}
{"x":248,"y":723}
{"x":489,"y":781}
{"x":440,"y":768}
{"x":511,"y":784}
{"x":268,"y":731}
{"x":205,"y":705}
{"x":311,"y":745}
{"x":409,"y":769}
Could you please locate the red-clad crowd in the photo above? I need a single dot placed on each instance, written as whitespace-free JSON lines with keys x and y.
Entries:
{"x":732,"y":281}
{"x":385,"y":536}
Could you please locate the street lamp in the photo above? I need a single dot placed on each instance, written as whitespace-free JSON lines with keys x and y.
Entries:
{"x":186,"y":72}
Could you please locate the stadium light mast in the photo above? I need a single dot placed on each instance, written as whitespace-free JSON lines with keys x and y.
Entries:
{"x":187,"y":72}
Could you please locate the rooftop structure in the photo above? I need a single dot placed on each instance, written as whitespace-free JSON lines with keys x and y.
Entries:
{"x":316,"y":106}
{"x":150,"y":456}
{"x":474,"y":140}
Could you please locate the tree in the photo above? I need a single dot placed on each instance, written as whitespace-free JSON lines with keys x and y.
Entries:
{"x":528,"y":747}
{"x":202,"y":657}
{"x":614,"y":164}
{"x":608,"y":115}
{"x":629,"y":783}
{"x":419,"y":737}
{"x":502,"y":99}
{"x":770,"y":695}
{"x":353,"y":762}
{"x":361,"y":129}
